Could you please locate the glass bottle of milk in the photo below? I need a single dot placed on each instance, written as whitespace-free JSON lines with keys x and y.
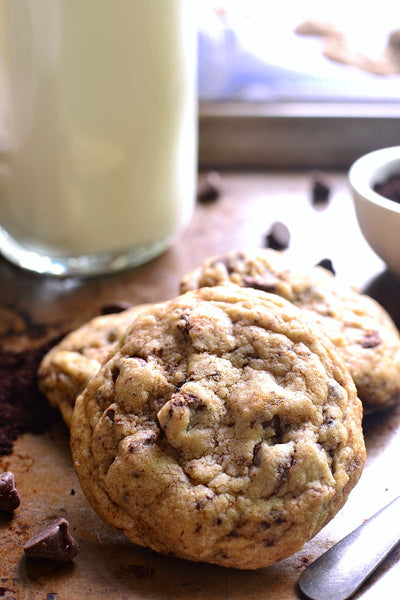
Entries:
{"x":99,"y":136}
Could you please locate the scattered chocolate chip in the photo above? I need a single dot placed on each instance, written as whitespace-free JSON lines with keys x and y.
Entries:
{"x":183,"y":323}
{"x":327,"y":264}
{"x":9,"y":496}
{"x":390,"y":188}
{"x":278,"y":237}
{"x":320,"y":190}
{"x":371,"y":339}
{"x":209,"y":187}
{"x":115,"y":307}
{"x":53,"y":542}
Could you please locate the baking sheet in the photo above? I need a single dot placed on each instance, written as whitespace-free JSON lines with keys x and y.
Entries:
{"x":107,"y":565}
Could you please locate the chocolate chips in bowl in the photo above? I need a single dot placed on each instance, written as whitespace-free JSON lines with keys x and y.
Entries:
{"x":374,"y":178}
{"x":389,"y":187}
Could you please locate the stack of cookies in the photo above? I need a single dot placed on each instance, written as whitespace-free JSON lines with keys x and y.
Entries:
{"x":225,"y":425}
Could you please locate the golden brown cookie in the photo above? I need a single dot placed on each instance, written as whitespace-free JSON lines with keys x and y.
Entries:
{"x":359,"y":327}
{"x":68,"y":366}
{"x":224,"y":428}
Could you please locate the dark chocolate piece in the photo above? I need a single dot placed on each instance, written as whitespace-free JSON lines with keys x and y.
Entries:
{"x":320,"y":190}
{"x":209,"y":187}
{"x":278,"y":237}
{"x":327,"y":264}
{"x":9,"y":496}
{"x":53,"y":542}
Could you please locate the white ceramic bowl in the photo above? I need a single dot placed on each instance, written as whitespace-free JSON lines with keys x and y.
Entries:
{"x":378,"y":217}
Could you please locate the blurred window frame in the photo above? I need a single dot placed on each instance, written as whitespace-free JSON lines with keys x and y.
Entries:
{"x":258,"y":135}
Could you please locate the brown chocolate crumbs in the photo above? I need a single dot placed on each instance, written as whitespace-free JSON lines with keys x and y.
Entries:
{"x":23,"y":408}
{"x":115,"y":307}
{"x":389,"y":188}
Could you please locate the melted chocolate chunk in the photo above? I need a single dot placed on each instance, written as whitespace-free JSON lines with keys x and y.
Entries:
{"x":9,"y":496}
{"x":53,"y":542}
{"x":371,"y":339}
{"x":278,"y":237}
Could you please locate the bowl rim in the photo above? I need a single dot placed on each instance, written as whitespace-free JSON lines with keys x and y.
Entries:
{"x":363,"y":170}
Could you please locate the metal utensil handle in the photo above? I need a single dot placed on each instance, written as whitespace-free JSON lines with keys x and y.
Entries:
{"x":341,"y":570}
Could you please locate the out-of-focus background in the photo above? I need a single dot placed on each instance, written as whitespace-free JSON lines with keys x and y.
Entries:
{"x":289,"y":84}
{"x":313,"y":50}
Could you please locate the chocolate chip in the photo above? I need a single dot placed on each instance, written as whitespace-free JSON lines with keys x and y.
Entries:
{"x":327,"y":264}
{"x":371,"y":339}
{"x":9,"y":496}
{"x":278,"y":237}
{"x":115,"y":307}
{"x":110,"y":414}
{"x":53,"y":542}
{"x":209,"y":187}
{"x":320,"y":191}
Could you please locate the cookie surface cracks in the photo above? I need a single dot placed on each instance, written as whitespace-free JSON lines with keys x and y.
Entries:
{"x":223,"y":429}
{"x":360,"y":329}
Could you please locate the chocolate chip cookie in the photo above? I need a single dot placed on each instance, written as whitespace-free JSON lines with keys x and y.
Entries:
{"x":359,"y":327}
{"x":68,"y":366}
{"x":224,"y":427}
